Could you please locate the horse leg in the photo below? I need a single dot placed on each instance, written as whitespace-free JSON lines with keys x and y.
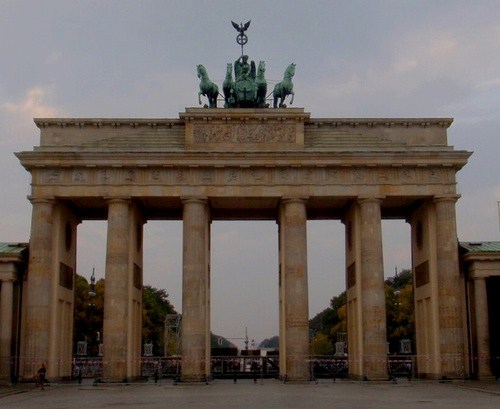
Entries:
{"x":199,"y":97}
{"x":293,"y":94}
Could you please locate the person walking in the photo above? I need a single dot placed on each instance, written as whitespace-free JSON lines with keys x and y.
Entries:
{"x":41,"y":376}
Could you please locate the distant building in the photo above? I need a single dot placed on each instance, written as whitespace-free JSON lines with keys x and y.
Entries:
{"x":480,"y":264}
{"x":13,"y":267}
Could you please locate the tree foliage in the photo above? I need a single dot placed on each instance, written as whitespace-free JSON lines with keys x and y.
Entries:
{"x":399,"y":306}
{"x":321,"y":344}
{"x":273,"y":342}
{"x":155,"y":307}
{"x":330,"y":325}
{"x":89,"y":315}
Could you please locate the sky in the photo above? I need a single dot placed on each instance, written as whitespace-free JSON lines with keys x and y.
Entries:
{"x":127,"y":58}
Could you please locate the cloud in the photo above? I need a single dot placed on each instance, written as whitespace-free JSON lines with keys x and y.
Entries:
{"x":421,"y":72}
{"x":17,"y":117}
{"x":34,"y":104}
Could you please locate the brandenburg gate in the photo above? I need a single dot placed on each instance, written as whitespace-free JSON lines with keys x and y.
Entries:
{"x":244,"y":164}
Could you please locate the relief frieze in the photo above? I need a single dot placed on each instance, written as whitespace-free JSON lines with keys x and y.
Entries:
{"x":232,"y":176}
{"x":80,"y":176}
{"x":244,"y":133}
{"x":245,"y":175}
{"x":407,"y":175}
{"x":53,"y":176}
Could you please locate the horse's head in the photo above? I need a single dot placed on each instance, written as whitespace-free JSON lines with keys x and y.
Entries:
{"x":261,"y":69}
{"x":201,"y":71}
{"x":290,"y":71}
{"x":229,"y":70}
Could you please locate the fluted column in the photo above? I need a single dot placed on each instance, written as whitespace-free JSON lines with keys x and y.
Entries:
{"x":116,"y":297}
{"x":6,"y":311}
{"x":482,"y":330}
{"x":372,"y":290}
{"x":294,"y":290}
{"x":195,"y":291}
{"x":36,"y":339}
{"x":449,"y":291}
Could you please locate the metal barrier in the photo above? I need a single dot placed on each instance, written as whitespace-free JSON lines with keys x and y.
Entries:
{"x":245,"y":366}
{"x":401,"y":365}
{"x":329,"y":366}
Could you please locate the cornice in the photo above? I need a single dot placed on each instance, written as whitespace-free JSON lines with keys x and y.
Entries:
{"x":66,"y":159}
{"x":208,"y":114}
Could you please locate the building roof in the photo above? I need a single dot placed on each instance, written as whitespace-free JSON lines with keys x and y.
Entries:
{"x":480,"y":246}
{"x":12,"y":249}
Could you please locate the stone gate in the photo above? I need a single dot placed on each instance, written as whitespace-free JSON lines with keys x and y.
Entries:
{"x":239,"y":164}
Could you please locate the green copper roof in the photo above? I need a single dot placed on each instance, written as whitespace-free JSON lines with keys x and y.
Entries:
{"x":480,"y":246}
{"x":12,"y":249}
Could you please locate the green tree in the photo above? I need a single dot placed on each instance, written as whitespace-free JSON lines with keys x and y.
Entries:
{"x":88,"y":314}
{"x":332,"y":322}
{"x":155,"y":307}
{"x":399,"y":309}
{"x":321,"y":344}
{"x":273,"y":342}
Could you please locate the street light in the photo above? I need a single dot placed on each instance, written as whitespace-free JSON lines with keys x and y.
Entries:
{"x":92,"y":292}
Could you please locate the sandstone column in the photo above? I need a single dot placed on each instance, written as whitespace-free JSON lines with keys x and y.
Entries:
{"x":35,"y":341}
{"x":482,"y":330}
{"x":6,"y":311}
{"x":449,"y":291}
{"x":372,"y":290}
{"x":294,"y":310}
{"x":116,"y":297}
{"x":195,"y":335}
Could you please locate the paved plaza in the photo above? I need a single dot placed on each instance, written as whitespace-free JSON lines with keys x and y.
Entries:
{"x":269,"y":394}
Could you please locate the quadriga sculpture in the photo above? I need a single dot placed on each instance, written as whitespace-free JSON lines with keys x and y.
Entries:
{"x":284,"y":88}
{"x":207,"y":87}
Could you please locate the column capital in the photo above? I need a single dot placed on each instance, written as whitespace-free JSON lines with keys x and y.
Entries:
{"x":446,"y":198}
{"x":370,"y":199}
{"x":292,"y":199}
{"x":48,"y":199}
{"x":194,"y":199}
{"x":118,"y":199}
{"x":8,"y":277}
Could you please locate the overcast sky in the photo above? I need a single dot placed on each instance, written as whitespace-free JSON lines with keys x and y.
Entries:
{"x":128,"y":58}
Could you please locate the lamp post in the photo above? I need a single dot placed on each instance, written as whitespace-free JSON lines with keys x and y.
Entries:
{"x":92,"y":293}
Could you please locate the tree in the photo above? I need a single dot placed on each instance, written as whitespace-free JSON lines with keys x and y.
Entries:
{"x":399,"y":309}
{"x":155,"y":307}
{"x":329,"y":325}
{"x":273,"y":342}
{"x":321,"y":344}
{"x":89,"y":315}
{"x":332,"y":322}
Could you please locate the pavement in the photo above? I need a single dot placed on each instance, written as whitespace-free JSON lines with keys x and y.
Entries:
{"x":266,"y":394}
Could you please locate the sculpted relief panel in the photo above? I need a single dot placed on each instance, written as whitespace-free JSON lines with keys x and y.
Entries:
{"x":243,"y":175}
{"x":244,"y":133}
